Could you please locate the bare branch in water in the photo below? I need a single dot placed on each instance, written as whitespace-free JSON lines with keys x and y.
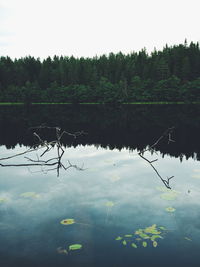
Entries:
{"x":57,"y":161}
{"x":48,"y":146}
{"x":167,"y":134}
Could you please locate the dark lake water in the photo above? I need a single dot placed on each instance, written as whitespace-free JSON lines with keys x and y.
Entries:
{"x":116,"y":211}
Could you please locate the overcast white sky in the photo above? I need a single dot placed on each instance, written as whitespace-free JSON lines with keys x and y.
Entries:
{"x":42,"y":28}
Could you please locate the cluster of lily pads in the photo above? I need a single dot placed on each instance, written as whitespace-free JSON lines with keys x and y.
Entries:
{"x":144,"y":237}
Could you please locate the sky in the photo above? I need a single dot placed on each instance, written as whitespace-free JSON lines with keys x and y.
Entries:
{"x":88,"y":28}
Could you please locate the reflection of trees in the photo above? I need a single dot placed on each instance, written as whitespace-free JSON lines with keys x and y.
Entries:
{"x":131,"y":126}
{"x":51,"y":163}
{"x":56,"y":162}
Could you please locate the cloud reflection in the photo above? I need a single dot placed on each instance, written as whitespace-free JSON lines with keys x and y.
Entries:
{"x":113,"y":176}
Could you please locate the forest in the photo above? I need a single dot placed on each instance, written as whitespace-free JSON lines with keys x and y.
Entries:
{"x":171,"y":75}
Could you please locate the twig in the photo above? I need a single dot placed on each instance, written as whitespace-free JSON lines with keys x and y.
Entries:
{"x":57,"y":161}
{"x":167,"y":133}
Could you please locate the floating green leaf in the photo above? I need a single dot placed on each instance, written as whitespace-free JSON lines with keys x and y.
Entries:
{"x":67,"y":221}
{"x":150,"y":229}
{"x":75,"y":246}
{"x":29,"y":195}
{"x":144,"y":244}
{"x":162,"y":228}
{"x":138,"y":232}
{"x":108,"y":161}
{"x":156,"y":232}
{"x":109,"y":204}
{"x":144,"y":236}
{"x":128,"y":235}
{"x":124,"y":243}
{"x":170,"y":209}
{"x":155,"y":244}
{"x":155,"y":236}
{"x":162,"y":189}
{"x":115,"y":178}
{"x":196,"y":170}
{"x":133,"y":245}
{"x":118,"y":238}
{"x":168,"y":196}
{"x":196,"y":176}
{"x":2,"y":200}
{"x":187,"y":238}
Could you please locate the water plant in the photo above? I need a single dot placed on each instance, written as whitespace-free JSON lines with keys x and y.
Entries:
{"x":65,"y":251}
{"x":29,"y":195}
{"x":145,"y":237}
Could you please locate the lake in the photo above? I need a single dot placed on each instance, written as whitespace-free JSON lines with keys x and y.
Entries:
{"x":112,"y":209}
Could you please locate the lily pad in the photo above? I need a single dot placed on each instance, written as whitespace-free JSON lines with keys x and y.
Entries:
{"x":170,"y":209}
{"x":75,"y":247}
{"x":108,"y":161}
{"x":118,"y":238}
{"x":162,"y":189}
{"x":150,"y":229}
{"x":124,"y":243}
{"x":162,"y":228}
{"x":144,"y":244}
{"x":2,"y":200}
{"x":115,"y":178}
{"x":155,"y":244}
{"x":196,"y":176}
{"x":138,"y":232}
{"x":196,"y":170}
{"x":128,"y":235}
{"x":155,"y":236}
{"x":109,"y":204}
{"x":29,"y":195}
{"x":133,"y":245}
{"x":67,"y":221}
{"x":144,"y":236}
{"x":169,"y":196}
{"x":187,"y":238}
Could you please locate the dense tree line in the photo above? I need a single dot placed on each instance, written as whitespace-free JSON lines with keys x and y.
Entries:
{"x":172,"y":74}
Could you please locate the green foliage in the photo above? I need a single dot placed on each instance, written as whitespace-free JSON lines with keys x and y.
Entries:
{"x":109,"y":204}
{"x":29,"y":195}
{"x":118,"y":238}
{"x":133,"y":245}
{"x":75,"y":247}
{"x":67,"y":221}
{"x":170,"y":209}
{"x":2,"y":200}
{"x":168,"y":194}
{"x":148,"y":236}
{"x":172,"y":74}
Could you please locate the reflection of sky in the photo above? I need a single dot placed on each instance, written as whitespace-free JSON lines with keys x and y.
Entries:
{"x":30,"y":227}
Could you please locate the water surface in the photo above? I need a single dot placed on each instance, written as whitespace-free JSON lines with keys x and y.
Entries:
{"x":116,"y":194}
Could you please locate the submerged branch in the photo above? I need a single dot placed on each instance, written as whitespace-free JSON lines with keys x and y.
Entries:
{"x":48,"y":146}
{"x":167,"y":133}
